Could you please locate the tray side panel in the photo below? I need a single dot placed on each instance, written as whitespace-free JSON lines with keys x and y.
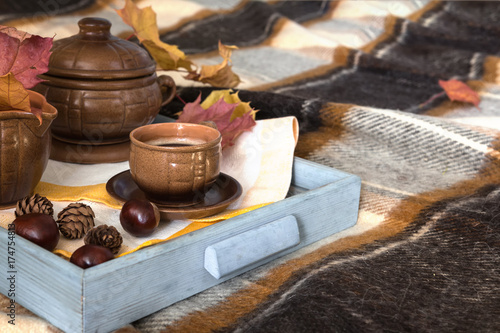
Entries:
{"x":136,"y":285}
{"x":41,"y":282}
{"x":310,"y":175}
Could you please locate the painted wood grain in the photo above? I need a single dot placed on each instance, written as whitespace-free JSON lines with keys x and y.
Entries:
{"x":46,"y":284}
{"x":238,"y":251}
{"x":110,"y":295}
{"x":172,"y":271}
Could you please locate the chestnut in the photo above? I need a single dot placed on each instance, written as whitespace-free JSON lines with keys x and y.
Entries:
{"x":90,"y":255}
{"x":38,"y":228}
{"x":139,"y":217}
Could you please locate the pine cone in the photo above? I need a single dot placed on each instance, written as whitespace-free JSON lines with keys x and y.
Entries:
{"x":34,"y":204}
{"x":75,"y":220}
{"x":106,"y":236}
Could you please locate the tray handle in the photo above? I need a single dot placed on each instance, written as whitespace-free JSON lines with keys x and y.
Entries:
{"x":247,"y":248}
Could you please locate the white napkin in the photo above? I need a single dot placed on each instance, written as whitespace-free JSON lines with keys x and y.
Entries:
{"x":261,"y":161}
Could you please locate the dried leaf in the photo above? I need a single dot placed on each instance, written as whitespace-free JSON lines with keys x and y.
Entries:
{"x":230,"y":97}
{"x":26,"y":55}
{"x":234,"y":128}
{"x":459,"y":91}
{"x":193,"y":113}
{"x":143,"y":21}
{"x":8,"y":52}
{"x":13,"y":96}
{"x":220,"y":75}
{"x":220,"y":113}
{"x":13,"y":32}
{"x":38,"y":114}
{"x":167,"y":57}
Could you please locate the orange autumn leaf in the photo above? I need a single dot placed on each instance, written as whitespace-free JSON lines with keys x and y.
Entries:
{"x":459,"y":91}
{"x":220,"y":75}
{"x":13,"y":96}
{"x":143,"y":21}
{"x":38,"y":114}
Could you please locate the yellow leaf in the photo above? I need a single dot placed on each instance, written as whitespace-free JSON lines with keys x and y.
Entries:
{"x":143,"y":21}
{"x":230,"y":97}
{"x":220,"y":75}
{"x":168,"y":57}
{"x":13,"y":96}
{"x":225,"y":51}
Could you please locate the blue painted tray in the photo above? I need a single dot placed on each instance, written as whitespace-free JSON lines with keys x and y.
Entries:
{"x":322,"y":202}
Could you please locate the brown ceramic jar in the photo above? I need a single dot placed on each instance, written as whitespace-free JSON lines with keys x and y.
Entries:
{"x":102,"y":86}
{"x":24,"y":149}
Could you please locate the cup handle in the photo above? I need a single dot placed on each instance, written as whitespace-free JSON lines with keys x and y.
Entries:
{"x":168,"y":88}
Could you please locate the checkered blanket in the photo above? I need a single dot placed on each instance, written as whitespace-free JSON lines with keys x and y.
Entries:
{"x":362,"y":78}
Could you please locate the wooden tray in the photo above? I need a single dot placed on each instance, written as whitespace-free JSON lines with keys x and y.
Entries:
{"x":323,"y":201}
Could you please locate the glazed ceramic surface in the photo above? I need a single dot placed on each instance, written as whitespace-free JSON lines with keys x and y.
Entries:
{"x":24,"y":149}
{"x":102,"y":86}
{"x":224,"y":192}
{"x":180,"y":173}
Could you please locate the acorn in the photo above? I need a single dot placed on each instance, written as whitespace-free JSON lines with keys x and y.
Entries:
{"x":139,"y":218}
{"x":38,"y":228}
{"x":90,"y":255}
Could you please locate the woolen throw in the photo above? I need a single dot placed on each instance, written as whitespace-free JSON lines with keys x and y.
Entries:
{"x":362,"y":78}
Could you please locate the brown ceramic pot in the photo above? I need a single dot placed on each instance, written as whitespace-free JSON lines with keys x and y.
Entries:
{"x":102,"y":86}
{"x":24,"y":149}
{"x":175,"y":164}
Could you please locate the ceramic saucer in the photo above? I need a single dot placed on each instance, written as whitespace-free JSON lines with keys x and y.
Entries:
{"x":225,"y":191}
{"x":89,"y":154}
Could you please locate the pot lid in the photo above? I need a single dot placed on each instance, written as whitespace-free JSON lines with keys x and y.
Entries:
{"x":94,"y":53}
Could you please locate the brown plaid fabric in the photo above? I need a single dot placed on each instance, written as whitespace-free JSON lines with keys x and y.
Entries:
{"x":360,"y":77}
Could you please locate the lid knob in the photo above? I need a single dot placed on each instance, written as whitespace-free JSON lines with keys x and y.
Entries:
{"x":94,"y":28}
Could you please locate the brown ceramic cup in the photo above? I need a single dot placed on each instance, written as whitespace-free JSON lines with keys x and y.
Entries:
{"x":175,"y":164}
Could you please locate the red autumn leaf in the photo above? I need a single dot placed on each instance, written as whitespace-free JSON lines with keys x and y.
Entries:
{"x":7,"y":53}
{"x":237,"y":126}
{"x":459,"y":91}
{"x":220,"y":113}
{"x":13,"y":32}
{"x":24,"y":55}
